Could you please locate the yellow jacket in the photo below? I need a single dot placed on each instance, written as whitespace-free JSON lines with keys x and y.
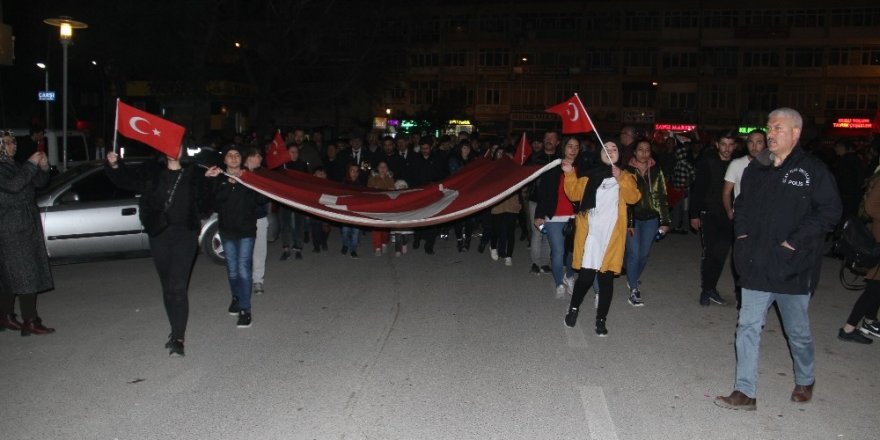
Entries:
{"x":629,"y":194}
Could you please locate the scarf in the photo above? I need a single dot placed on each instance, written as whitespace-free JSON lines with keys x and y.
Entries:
{"x":595,"y":176}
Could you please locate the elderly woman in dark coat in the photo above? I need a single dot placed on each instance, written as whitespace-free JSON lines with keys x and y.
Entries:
{"x":24,"y":264}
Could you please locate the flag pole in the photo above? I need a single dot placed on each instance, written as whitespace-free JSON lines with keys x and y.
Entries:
{"x":594,"y":128}
{"x":116,"y":126}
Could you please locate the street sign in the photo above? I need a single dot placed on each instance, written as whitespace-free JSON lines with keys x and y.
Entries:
{"x":46,"y":95}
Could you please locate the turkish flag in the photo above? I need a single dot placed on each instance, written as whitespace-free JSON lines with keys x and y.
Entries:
{"x":277,"y":155}
{"x":875,"y":124}
{"x":150,"y":129}
{"x":523,"y":150}
{"x":574,"y":116}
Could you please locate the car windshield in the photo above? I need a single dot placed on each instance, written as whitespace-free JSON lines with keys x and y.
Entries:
{"x":68,"y":176}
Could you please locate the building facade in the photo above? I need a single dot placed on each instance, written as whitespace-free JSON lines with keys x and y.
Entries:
{"x":719,"y":64}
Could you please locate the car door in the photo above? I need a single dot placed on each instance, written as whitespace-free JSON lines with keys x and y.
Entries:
{"x":91,"y":217}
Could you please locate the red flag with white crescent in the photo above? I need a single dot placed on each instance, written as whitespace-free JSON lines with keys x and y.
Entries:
{"x":574,"y":116}
{"x":277,"y":155}
{"x":161,"y":134}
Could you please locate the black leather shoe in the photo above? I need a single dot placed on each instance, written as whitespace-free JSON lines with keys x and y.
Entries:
{"x":175,"y":347}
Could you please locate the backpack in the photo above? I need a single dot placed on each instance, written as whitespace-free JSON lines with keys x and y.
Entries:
{"x":857,"y":246}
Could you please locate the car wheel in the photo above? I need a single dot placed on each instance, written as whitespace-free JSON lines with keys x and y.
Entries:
{"x":212,"y":246}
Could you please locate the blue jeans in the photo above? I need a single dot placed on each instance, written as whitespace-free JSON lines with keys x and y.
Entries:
{"x":239,"y":264}
{"x":560,"y":261}
{"x":796,"y":322}
{"x":638,"y":247}
{"x":350,"y":237}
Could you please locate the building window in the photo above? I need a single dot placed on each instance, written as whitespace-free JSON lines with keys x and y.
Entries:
{"x":761,"y":96}
{"x":493,"y":93}
{"x":422,"y":92}
{"x":531,"y":94}
{"x":639,"y":57}
{"x":428,"y":31}
{"x":855,"y":17}
{"x":456,"y":23}
{"x":682,"y":100}
{"x":641,"y":21}
{"x":458,"y":93}
{"x":601,"y":59}
{"x":760,"y":59}
{"x":602,"y":21}
{"x":854,"y":56}
{"x":424,"y":60}
{"x":456,"y":59}
{"x":871,"y":57}
{"x":597,"y":95}
{"x":852,"y":97}
{"x":681,"y":19}
{"x":720,"y":97}
{"x":799,"y":96}
{"x":494,"y":24}
{"x":494,"y":57}
{"x":679,"y":60}
{"x":723,"y":60}
{"x":806,"y":18}
{"x":803,"y":58}
{"x":760,"y":18}
{"x":564,"y":90}
{"x":720,"y":18}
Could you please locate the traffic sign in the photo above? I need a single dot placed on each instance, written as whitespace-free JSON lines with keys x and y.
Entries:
{"x":46,"y":95}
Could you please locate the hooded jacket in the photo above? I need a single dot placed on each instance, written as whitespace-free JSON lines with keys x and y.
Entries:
{"x":795,"y":202}
{"x":653,"y":203}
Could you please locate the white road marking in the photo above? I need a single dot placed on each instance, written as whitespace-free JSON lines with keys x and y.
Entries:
{"x":597,"y":414}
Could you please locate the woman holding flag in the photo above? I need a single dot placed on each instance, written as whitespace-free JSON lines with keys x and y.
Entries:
{"x":600,"y":229}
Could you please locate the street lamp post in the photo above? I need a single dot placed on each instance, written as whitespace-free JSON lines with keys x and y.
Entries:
{"x":45,"y":69}
{"x":65,"y":27}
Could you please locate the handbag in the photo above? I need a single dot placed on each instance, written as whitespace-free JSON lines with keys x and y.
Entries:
{"x":155,"y":224}
{"x":568,"y":229}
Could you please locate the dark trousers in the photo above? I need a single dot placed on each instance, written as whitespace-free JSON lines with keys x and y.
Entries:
{"x":28,"y":304}
{"x":504,"y":226}
{"x":606,"y":290}
{"x":319,"y":234}
{"x":429,"y":235}
{"x":174,"y":252}
{"x":716,"y":235}
{"x":867,"y":304}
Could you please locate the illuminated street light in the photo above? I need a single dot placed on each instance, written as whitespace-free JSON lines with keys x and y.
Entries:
{"x":388,"y":111}
{"x":65,"y":27}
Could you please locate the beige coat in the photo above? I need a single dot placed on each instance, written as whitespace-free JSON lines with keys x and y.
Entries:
{"x":509,"y":205}
{"x":629,"y":194}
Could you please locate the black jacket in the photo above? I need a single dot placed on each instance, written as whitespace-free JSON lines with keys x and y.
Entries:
{"x":795,"y":202}
{"x":540,"y":158}
{"x":708,"y":186}
{"x":422,"y":171}
{"x":547,"y":193}
{"x":237,"y":208}
{"x":154,"y":181}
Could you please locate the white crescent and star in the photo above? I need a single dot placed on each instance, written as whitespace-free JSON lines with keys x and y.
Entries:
{"x":574,"y":110}
{"x":132,"y":122}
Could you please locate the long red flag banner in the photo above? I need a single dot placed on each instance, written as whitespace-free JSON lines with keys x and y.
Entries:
{"x":479,"y":185}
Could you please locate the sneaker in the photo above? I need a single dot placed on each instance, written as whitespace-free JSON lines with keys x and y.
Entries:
{"x":854,"y":336}
{"x":601,"y":330}
{"x":535,"y":269}
{"x":384,"y":247}
{"x":635,"y":298}
{"x":244,"y":319}
{"x":285,"y":255}
{"x":560,"y":291}
{"x":716,"y":298}
{"x":546,"y":269}
{"x":344,"y":250}
{"x":508,"y":261}
{"x":403,"y":249}
{"x":233,"y":306}
{"x":704,"y":299}
{"x":258,"y":288}
{"x":175,"y":347}
{"x":354,"y":254}
{"x":378,"y":252}
{"x":494,"y":254}
{"x":298,"y":255}
{"x":571,"y":317}
{"x":568,"y":282}
{"x":397,"y":254}
{"x":870,"y":329}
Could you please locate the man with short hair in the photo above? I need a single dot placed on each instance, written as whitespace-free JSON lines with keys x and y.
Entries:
{"x":539,"y":245}
{"x":788,"y":202}
{"x":708,"y":216}
{"x":424,"y":168}
{"x":292,"y":221}
{"x":628,"y":137}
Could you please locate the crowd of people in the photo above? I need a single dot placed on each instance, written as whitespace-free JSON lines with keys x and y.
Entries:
{"x":594,"y":217}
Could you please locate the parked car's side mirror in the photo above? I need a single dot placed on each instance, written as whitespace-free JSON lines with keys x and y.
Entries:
{"x":70,"y":197}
